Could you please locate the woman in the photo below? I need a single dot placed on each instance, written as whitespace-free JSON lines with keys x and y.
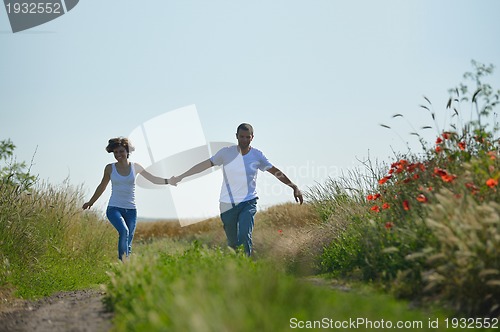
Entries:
{"x":121,"y":210}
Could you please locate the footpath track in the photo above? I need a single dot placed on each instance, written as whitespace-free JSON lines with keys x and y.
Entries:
{"x":75,"y":311}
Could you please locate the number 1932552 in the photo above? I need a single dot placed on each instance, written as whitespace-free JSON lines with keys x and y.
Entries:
{"x":471,"y":323}
{"x":34,"y":8}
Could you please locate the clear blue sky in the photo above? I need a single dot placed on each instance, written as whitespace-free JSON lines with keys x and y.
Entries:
{"x":315,"y":78}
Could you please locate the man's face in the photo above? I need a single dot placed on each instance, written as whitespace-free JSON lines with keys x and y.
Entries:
{"x":244,"y":138}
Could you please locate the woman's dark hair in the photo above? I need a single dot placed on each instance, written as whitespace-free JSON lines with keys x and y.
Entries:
{"x":113,"y":143}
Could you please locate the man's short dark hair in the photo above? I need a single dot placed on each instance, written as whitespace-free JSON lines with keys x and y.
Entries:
{"x":245,"y":126}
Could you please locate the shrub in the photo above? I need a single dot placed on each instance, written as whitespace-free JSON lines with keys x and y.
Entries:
{"x":47,"y":243}
{"x":402,"y":226}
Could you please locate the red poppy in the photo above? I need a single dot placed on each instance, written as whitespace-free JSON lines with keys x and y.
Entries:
{"x":412,"y":167}
{"x":471,"y":185}
{"x":375,"y":208}
{"x":384,"y":179}
{"x":406,"y":205}
{"x":446,"y":135}
{"x":280,"y":232}
{"x":439,"y":140}
{"x":461,"y":145}
{"x":389,"y":225}
{"x":376,"y":196}
{"x":448,"y":178}
{"x":438,"y":149}
{"x":491,"y":182}
{"x":369,"y":197}
{"x":421,"y":198}
{"x":493,"y":155}
{"x":473,"y":188}
{"x":440,"y":171}
{"x":386,"y":206}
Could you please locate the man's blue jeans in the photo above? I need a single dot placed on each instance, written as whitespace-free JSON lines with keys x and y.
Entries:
{"x":238,"y":224}
{"x":124,"y":220}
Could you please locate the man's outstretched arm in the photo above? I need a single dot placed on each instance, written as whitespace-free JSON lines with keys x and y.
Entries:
{"x":283,"y":178}
{"x":198,"y":168}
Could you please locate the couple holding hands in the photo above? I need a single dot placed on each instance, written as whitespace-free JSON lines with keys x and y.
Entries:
{"x":238,"y":199}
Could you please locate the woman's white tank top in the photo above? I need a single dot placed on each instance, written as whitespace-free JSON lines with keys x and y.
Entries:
{"x":122,"y":188}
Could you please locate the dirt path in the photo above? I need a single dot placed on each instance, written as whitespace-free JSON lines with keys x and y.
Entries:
{"x":77,"y":311}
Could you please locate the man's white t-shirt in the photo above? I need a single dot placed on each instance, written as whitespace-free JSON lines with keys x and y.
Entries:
{"x":240,"y":173}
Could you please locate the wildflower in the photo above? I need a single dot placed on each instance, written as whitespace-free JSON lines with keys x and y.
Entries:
{"x":375,"y":208}
{"x":412,"y":167}
{"x":384,"y":179}
{"x":280,"y":232}
{"x":376,"y":196}
{"x":406,"y":180}
{"x":473,"y":188}
{"x":448,"y":178}
{"x":491,"y":182}
{"x":492,"y":155}
{"x":461,"y":145}
{"x":369,"y":197}
{"x":385,"y":206}
{"x":422,"y":198}
{"x":406,"y":205}
{"x":439,"y":140}
{"x":438,"y":149}
{"x":440,"y":171}
{"x":389,"y":225}
{"x":446,"y":135}
{"x":416,"y":176}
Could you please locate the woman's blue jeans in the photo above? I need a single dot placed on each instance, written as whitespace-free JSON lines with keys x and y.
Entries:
{"x":124,"y":220}
{"x":238,"y":224}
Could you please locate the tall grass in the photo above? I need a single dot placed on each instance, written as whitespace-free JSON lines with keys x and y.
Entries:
{"x":288,"y":234}
{"x":205,"y":289}
{"x":47,"y":243}
{"x":464,"y":268}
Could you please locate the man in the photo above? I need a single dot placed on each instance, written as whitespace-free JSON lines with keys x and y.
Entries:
{"x":238,"y":198}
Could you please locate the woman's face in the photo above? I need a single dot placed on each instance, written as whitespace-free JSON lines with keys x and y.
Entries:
{"x":120,"y":153}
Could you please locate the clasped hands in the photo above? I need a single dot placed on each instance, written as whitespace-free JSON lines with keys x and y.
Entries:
{"x":174,"y":180}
